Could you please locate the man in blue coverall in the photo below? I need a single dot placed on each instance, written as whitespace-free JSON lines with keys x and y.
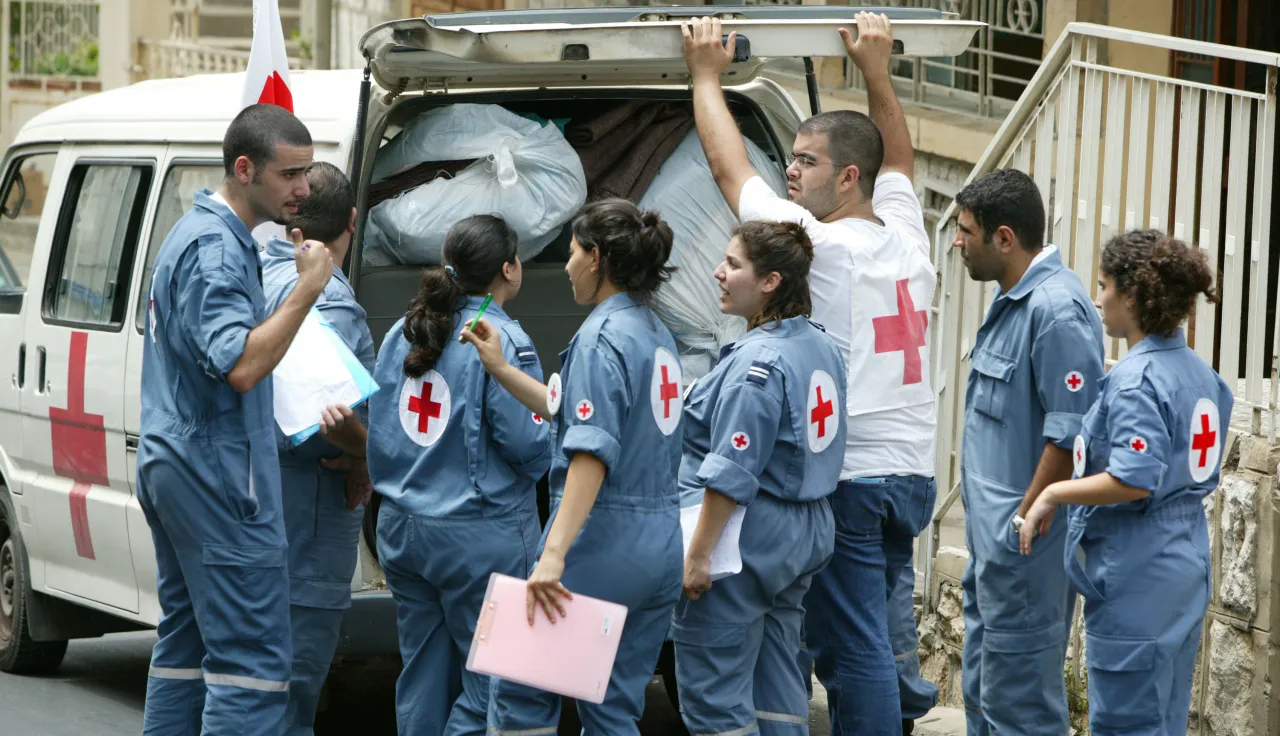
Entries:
{"x":1036,"y":369}
{"x":208,"y":474}
{"x":323,"y":505}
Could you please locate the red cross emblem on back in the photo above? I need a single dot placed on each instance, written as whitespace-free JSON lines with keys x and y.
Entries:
{"x":424,"y":407}
{"x":903,"y":332}
{"x":670,"y":391}
{"x":821,"y":413}
{"x":1203,"y":441}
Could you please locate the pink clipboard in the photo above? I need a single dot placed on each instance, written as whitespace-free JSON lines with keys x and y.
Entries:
{"x":572,"y":657}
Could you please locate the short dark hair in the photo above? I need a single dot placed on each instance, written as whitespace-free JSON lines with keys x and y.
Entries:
{"x":325,"y":214}
{"x":256,"y":131}
{"x":852,"y":140}
{"x":1163,"y":275}
{"x":1009,"y":198}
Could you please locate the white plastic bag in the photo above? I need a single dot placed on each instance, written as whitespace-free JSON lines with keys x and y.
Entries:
{"x":686,"y":195}
{"x":526,"y":172}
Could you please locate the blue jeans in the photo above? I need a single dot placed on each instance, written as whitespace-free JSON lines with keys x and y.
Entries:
{"x":859,"y":627}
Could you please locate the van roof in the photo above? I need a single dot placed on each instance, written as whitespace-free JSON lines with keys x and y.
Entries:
{"x":194,"y":109}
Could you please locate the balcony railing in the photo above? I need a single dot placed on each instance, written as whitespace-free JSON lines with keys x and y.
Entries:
{"x":53,"y":43}
{"x":163,"y":59}
{"x":991,"y":75}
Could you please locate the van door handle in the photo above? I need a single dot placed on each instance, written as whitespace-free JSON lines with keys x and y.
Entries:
{"x":42,"y":385}
{"x":130,"y":442}
{"x":21,"y":378}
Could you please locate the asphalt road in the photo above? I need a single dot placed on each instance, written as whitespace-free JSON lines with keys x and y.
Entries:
{"x":102,"y":684}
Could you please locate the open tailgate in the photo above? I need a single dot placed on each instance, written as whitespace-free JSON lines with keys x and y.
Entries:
{"x":623,"y":45}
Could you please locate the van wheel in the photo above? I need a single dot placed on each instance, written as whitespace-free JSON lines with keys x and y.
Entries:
{"x":19,"y":654}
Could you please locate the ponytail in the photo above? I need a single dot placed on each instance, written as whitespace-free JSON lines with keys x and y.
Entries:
{"x":475,"y":250}
{"x":429,"y":322}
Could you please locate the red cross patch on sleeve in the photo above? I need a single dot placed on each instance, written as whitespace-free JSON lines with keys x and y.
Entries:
{"x":741,"y":441}
{"x":1138,"y":444}
{"x":1074,"y":381}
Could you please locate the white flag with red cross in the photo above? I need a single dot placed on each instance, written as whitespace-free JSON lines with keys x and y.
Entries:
{"x":267,"y":78}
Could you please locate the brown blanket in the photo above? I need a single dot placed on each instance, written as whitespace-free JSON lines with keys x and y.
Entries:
{"x":427,"y":171}
{"x":623,"y":148}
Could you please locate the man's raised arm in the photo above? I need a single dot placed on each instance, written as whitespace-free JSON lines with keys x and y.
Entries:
{"x":708,"y":57}
{"x":871,"y":52}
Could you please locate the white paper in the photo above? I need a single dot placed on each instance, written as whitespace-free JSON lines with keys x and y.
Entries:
{"x":311,"y":377}
{"x":726,"y":556}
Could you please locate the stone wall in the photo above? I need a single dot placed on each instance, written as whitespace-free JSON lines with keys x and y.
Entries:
{"x":1235,"y":690}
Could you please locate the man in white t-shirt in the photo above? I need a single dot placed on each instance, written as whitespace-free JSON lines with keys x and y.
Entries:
{"x":849,"y":184}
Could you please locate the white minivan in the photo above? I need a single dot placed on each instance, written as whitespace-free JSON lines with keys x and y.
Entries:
{"x":91,"y":188}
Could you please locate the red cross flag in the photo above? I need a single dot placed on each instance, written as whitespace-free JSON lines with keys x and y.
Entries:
{"x":267,"y":78}
{"x":1205,"y":446}
{"x":424,"y":407}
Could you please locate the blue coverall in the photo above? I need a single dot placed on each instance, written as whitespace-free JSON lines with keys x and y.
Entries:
{"x":1036,"y":368}
{"x":456,"y":459}
{"x":1143,"y":567}
{"x":209,"y":485}
{"x":622,"y":404}
{"x":323,"y":534}
{"x":766,"y":428}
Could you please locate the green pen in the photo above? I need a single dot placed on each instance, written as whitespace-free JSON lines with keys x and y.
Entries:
{"x":483,"y":306}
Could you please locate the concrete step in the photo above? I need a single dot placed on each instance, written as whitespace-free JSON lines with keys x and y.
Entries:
{"x":941,"y":722}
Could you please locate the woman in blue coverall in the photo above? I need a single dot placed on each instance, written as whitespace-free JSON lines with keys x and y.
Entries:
{"x":765,"y":433}
{"x":614,"y":531}
{"x":1148,"y":452}
{"x":456,"y":459}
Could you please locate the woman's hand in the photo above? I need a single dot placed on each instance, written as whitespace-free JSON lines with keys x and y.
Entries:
{"x":697,"y":576}
{"x":488,"y":343}
{"x":1037,"y":521}
{"x":545,"y":588}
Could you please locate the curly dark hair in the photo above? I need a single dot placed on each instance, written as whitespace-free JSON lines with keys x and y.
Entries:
{"x":783,"y":247}
{"x":1162,"y":275}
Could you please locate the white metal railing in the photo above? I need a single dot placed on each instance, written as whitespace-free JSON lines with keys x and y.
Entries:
{"x":990,"y":75}
{"x":52,"y":38}
{"x":164,"y":59}
{"x":1111,"y":150}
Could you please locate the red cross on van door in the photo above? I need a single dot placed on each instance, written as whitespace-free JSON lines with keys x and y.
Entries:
{"x":79,"y":442}
{"x":903,"y":332}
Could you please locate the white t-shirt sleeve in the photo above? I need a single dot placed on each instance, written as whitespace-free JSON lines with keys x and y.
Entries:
{"x":758,"y":202}
{"x":896,"y":203}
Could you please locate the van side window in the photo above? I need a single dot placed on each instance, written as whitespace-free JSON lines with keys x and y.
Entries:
{"x":177,"y":197}
{"x":94,"y":245}
{"x":25,"y":186}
